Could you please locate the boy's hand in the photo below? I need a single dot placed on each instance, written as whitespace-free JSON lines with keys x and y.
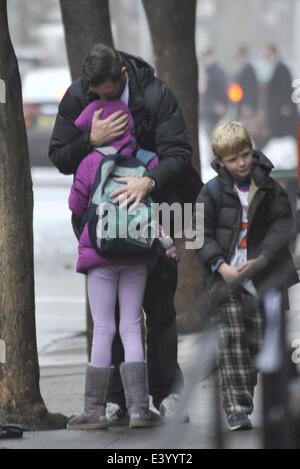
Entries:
{"x":251,"y":268}
{"x":230,"y":274}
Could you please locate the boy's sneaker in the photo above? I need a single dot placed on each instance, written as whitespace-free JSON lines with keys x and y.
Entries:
{"x":239,"y":422}
{"x":172,"y":411}
{"x":116,"y":416}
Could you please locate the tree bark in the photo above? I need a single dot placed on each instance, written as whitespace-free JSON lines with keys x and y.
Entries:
{"x":172,"y":25}
{"x":85,"y":23}
{"x":20,"y":397}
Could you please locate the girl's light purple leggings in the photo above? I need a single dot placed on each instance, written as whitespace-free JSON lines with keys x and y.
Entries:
{"x":105,"y":284}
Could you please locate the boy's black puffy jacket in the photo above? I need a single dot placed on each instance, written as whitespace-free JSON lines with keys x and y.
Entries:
{"x":270,"y":226}
{"x":159,"y":124}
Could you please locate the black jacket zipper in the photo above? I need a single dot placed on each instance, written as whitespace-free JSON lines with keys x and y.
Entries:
{"x":239,"y":220}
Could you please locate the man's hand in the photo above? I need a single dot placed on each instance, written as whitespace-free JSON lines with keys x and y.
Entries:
{"x":230,"y":274}
{"x":107,"y":130}
{"x":134,"y":192}
{"x":251,"y":268}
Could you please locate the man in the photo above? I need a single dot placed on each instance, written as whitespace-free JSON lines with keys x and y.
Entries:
{"x":282,"y":113}
{"x":108,"y":74}
{"x":248,"y":80}
{"x":215,"y":101}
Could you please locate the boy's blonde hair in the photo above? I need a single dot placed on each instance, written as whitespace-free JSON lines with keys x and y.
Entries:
{"x":229,"y":139}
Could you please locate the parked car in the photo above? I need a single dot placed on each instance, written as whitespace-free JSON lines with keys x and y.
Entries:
{"x":43,"y":90}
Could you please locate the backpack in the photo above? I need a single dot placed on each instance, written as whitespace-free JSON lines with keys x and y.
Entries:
{"x":108,"y":223}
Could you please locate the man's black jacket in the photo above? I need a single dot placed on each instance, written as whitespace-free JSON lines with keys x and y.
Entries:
{"x":159,"y":124}
{"x":248,"y":80}
{"x":269,"y":232}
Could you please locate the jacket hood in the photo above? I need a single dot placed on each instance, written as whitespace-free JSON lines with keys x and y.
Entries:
{"x":127,"y":142}
{"x":141,"y":74}
{"x":260,"y":160}
{"x":140,"y":71}
{"x":261,"y":170}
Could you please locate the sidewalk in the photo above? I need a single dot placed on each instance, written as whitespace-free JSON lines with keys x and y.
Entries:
{"x":62,"y":347}
{"x":62,"y":388}
{"x":62,"y":385}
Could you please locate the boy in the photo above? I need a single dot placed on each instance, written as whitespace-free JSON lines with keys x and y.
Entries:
{"x":248,"y":226}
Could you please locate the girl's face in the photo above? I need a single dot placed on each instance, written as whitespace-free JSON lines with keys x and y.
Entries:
{"x":239,"y":164}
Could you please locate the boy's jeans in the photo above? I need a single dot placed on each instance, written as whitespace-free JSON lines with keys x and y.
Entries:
{"x":239,"y":323}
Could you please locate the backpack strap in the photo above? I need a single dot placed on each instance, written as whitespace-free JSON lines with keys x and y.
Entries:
{"x":214,"y":188}
{"x":145,"y":156}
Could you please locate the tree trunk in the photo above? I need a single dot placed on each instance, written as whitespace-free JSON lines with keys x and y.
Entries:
{"x":172,"y":25}
{"x":85,"y":24}
{"x":20,"y":398}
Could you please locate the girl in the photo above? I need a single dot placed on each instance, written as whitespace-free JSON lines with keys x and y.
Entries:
{"x":108,"y":280}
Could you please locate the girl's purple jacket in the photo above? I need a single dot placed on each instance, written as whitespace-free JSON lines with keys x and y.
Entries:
{"x":85,"y":176}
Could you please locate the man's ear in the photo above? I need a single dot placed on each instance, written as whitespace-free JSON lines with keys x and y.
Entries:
{"x":124,"y":72}
{"x":221,"y":163}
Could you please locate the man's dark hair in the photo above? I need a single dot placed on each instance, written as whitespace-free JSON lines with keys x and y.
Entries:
{"x":101,"y":64}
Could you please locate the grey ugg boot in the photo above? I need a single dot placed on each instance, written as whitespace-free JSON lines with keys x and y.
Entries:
{"x":96,"y":389}
{"x":135,"y":382}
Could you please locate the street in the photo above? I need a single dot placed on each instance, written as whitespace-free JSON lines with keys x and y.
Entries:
{"x":60,"y":294}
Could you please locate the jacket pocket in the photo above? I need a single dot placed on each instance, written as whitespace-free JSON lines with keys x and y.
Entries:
{"x":214,"y":296}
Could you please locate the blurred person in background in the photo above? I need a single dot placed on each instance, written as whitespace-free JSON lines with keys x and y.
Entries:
{"x":248,"y":81}
{"x":215,"y":100}
{"x":282,"y":113}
